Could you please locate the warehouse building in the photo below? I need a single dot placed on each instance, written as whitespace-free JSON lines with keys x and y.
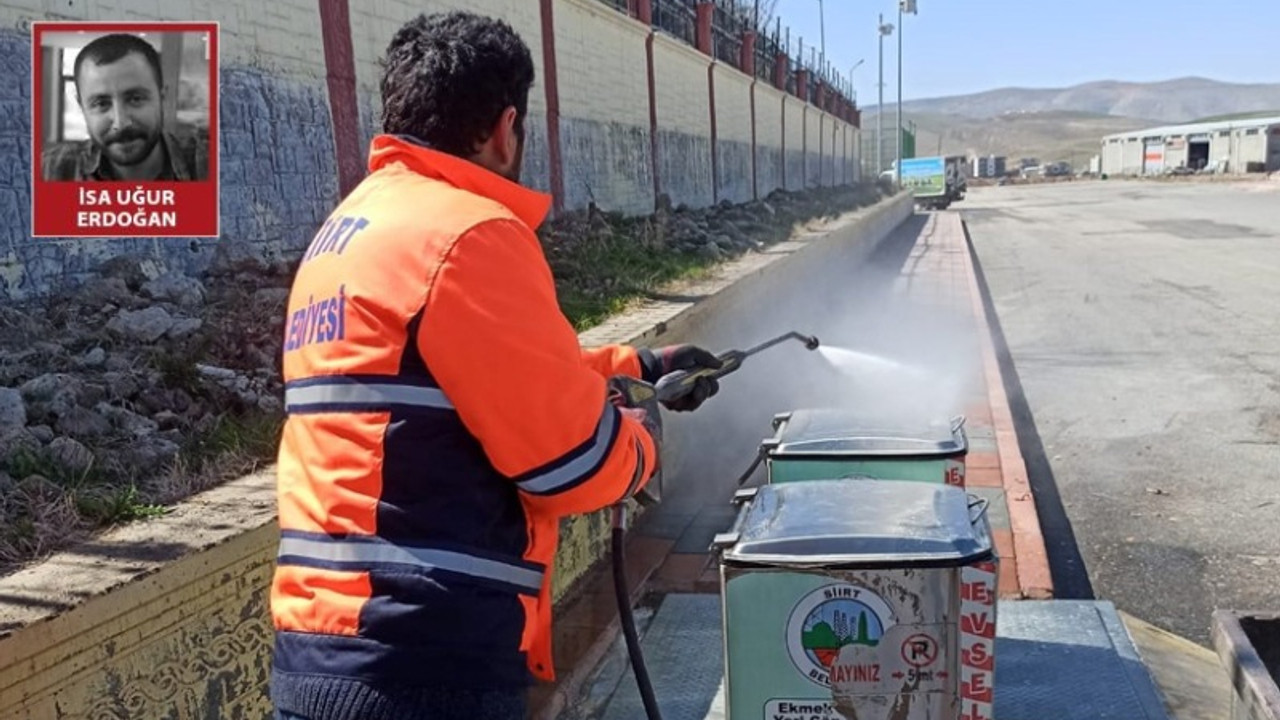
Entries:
{"x":1228,"y":146}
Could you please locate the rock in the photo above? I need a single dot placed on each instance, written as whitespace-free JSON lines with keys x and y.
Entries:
{"x":132,"y":269}
{"x":768,"y":209}
{"x":146,"y":325}
{"x":95,"y":358}
{"x":42,"y":388}
{"x":120,"y":385}
{"x":82,"y":422}
{"x":7,"y":484}
{"x":70,"y":454}
{"x":104,"y":292}
{"x":184,"y":327}
{"x":216,"y":373}
{"x":248,"y":398}
{"x":38,"y":487}
{"x":270,"y":297}
{"x":167,"y":420}
{"x":270,"y":404}
{"x":52,"y":394}
{"x":13,"y":410}
{"x":51,"y":349}
{"x":43,"y":433}
{"x":711,"y":250}
{"x":10,"y":357}
{"x":118,"y":363}
{"x":723,"y":241}
{"x":153,"y":400}
{"x":92,"y":394}
{"x":237,"y":258}
{"x":207,"y":423}
{"x":175,"y":288}
{"x":18,"y":441}
{"x":153,"y":451}
{"x":180,"y":400}
{"x":126,"y":421}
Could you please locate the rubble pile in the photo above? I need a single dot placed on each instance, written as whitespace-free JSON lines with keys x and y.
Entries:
{"x":132,"y":392}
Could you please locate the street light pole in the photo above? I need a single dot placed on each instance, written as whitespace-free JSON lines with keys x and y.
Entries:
{"x":883,"y":30}
{"x":897,"y":166}
{"x":822,"y":28}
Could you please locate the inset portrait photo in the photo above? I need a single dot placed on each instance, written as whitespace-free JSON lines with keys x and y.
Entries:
{"x":125,"y":129}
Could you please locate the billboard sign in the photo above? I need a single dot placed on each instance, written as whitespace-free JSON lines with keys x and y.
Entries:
{"x":926,"y":177}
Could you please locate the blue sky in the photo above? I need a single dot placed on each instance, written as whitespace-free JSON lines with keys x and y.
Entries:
{"x":953,"y":47}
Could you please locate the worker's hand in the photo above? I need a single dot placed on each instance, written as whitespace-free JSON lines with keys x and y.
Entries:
{"x":703,"y":389}
{"x":665,"y":360}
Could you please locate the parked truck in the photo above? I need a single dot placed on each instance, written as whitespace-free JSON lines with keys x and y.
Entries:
{"x":936,"y":181}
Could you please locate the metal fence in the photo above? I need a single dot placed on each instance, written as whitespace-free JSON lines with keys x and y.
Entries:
{"x":729,"y":24}
{"x":677,"y":17}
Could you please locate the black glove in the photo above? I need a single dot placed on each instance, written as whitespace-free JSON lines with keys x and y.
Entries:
{"x":665,"y":360}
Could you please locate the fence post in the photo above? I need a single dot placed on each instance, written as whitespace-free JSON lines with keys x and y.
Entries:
{"x":747,"y":57}
{"x":706,"y":12}
{"x":644,"y":11}
{"x":802,"y":84}
{"x":554,"y":161}
{"x":782,"y":66}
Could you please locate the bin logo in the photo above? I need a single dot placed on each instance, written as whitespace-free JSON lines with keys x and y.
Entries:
{"x":830,"y":618}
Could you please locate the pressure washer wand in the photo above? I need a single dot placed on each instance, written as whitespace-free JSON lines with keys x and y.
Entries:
{"x":676,"y":384}
{"x":639,"y":394}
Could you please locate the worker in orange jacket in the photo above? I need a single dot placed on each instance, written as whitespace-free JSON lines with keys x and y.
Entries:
{"x":442,"y":417}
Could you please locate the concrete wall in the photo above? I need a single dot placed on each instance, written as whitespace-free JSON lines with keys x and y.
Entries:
{"x":733,"y":134}
{"x":169,"y":617}
{"x":683,"y":107}
{"x":795,"y":122}
{"x":769,"y":138}
{"x":276,"y":146}
{"x":279,"y":156}
{"x":604,"y":107}
{"x":814,"y":148}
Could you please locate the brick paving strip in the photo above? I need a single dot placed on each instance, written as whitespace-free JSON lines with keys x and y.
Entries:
{"x":670,"y":554}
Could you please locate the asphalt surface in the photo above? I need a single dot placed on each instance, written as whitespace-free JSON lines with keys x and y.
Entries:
{"x":1142,"y":325}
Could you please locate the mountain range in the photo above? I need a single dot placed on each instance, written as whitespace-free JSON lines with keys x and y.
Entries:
{"x":1055,"y":124}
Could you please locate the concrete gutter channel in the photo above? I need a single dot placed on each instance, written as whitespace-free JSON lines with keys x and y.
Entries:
{"x":169,"y":616}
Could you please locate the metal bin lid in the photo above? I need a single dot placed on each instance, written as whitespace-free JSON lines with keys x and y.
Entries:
{"x":834,"y":431}
{"x":857,"y":523}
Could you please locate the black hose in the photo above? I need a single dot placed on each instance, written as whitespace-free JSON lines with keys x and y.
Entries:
{"x":751,"y":470}
{"x":629,"y":624}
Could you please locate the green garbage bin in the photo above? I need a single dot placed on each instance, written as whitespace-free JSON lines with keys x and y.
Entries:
{"x":866,"y":599}
{"x":826,"y":443}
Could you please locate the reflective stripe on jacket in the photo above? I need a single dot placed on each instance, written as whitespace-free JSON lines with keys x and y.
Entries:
{"x":442,"y":418}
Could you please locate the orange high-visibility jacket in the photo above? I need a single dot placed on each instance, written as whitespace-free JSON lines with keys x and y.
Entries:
{"x":442,"y":419}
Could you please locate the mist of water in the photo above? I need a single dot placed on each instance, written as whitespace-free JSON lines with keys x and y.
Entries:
{"x":884,"y":354}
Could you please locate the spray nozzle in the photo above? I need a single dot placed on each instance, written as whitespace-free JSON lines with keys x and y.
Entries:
{"x":811,"y":342}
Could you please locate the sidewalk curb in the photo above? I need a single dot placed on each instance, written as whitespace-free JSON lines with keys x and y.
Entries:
{"x":1034,"y":578}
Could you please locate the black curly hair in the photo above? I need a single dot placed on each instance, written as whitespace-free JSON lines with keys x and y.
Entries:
{"x":447,"y":78}
{"x":110,"y":48}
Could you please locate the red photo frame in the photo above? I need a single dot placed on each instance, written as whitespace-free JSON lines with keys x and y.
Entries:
{"x":69,"y":207}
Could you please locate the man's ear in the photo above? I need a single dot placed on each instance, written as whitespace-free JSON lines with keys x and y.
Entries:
{"x":509,"y":136}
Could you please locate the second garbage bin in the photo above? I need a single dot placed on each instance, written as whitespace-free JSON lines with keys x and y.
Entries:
{"x":822,"y":443}
{"x":866,"y":599}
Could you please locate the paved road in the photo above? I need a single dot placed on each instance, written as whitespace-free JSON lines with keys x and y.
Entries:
{"x":1143,"y":321}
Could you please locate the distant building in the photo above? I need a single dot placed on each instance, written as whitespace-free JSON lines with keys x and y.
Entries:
{"x":989,"y":166}
{"x":1228,"y":146}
